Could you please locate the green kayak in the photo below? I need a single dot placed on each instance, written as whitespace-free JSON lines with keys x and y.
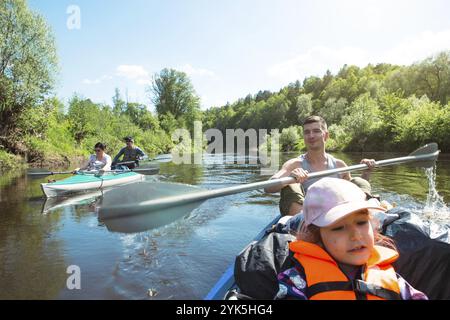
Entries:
{"x":85,"y":182}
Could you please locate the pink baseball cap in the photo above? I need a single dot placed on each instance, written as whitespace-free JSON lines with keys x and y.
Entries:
{"x":331,"y":199}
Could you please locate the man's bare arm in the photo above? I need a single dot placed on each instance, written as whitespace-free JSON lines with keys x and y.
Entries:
{"x":285,"y":171}
{"x":365,"y":174}
{"x":371,"y":164}
{"x":345,"y":175}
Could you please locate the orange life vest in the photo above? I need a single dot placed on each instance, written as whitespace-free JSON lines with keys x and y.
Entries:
{"x":325,"y":280}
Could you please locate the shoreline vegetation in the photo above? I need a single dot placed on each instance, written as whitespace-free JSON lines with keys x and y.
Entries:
{"x":377,"y":108}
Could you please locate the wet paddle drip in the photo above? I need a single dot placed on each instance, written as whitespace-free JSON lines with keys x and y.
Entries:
{"x":435,"y":207}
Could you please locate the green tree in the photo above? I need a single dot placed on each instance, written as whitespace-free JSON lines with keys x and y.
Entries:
{"x":168,"y":122}
{"x":263,"y":95}
{"x":141,"y":116}
{"x":289,"y":138}
{"x":334,"y":110}
{"x":363,"y":119}
{"x":425,"y":122}
{"x":28,"y":64}
{"x":172,"y":92}
{"x":84,"y":118}
{"x":430,"y":77}
{"x":119,"y":104}
{"x":274,"y":113}
{"x":303,"y":108}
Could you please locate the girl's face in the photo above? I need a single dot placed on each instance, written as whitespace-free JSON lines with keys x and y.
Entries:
{"x":350,"y":240}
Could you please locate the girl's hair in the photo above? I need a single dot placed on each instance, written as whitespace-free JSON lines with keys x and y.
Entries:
{"x":312,"y":234}
{"x":100,"y":145}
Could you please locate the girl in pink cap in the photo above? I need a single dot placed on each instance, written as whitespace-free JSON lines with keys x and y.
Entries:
{"x":339,"y":254}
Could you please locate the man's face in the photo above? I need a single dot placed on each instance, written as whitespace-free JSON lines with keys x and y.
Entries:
{"x":314,"y":136}
{"x":129,"y":144}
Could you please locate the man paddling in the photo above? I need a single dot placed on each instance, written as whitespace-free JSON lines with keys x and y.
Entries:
{"x":315,"y":135}
{"x":131,"y":154}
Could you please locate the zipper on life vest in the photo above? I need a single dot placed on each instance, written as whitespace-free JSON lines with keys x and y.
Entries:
{"x":359,"y":294}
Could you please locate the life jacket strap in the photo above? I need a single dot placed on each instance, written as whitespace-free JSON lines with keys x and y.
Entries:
{"x":361,"y":289}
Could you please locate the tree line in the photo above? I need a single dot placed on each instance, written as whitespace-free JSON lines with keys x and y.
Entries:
{"x":376,"y":108}
{"x":379,"y":107}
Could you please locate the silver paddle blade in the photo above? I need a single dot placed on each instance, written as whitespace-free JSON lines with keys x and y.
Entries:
{"x":426,"y":155}
{"x":146,"y":171}
{"x":162,"y":158}
{"x":54,"y":203}
{"x":123,"y":210}
{"x":151,"y":220}
{"x":131,"y":199}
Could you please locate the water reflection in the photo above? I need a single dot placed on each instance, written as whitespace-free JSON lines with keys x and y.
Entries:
{"x":183,"y":173}
{"x":54,"y":203}
{"x":179,"y":260}
{"x":31,"y":262}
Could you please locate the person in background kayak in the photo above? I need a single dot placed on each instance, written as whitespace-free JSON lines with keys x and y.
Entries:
{"x":315,"y":135}
{"x":339,"y":254}
{"x":98,"y":161}
{"x":130,"y":153}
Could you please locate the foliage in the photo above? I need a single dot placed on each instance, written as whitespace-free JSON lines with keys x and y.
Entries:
{"x":372,"y":108}
{"x":289,"y":138}
{"x":172,"y":92}
{"x":28,"y":65}
{"x":379,"y":107}
{"x":8,"y":160}
{"x":425,"y":122}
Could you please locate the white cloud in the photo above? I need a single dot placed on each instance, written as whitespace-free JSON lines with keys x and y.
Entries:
{"x":419,"y":47}
{"x":131,"y":71}
{"x":318,"y":59}
{"x":134,"y":72}
{"x":219,"y":103}
{"x":144,"y":81}
{"x":191,"y":71}
{"x":96,"y":81}
{"x":207,"y":102}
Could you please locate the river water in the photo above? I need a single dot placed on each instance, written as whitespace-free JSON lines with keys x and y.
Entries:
{"x":181,"y":260}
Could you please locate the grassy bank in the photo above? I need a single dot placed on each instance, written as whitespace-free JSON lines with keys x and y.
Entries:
{"x":9,"y":161}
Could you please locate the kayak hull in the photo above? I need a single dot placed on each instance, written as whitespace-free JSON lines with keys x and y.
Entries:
{"x":86,"y":182}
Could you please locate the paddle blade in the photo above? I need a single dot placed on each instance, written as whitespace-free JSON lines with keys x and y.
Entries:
{"x":426,"y":155}
{"x":55,"y":203}
{"x":46,"y":173}
{"x":131,"y":200}
{"x":162,"y":158}
{"x":144,"y":222}
{"x":147,"y":171}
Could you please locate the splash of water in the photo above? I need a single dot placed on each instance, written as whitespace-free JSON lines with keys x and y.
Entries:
{"x":435,"y":207}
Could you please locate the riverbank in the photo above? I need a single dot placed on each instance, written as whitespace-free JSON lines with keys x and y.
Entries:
{"x":10,"y":162}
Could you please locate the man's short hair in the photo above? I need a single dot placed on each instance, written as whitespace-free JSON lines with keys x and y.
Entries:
{"x":314,"y":119}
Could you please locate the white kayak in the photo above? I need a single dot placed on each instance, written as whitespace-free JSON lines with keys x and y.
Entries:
{"x":86,"y":182}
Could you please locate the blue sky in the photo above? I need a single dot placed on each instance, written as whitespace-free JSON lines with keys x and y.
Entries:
{"x":232,"y":48}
